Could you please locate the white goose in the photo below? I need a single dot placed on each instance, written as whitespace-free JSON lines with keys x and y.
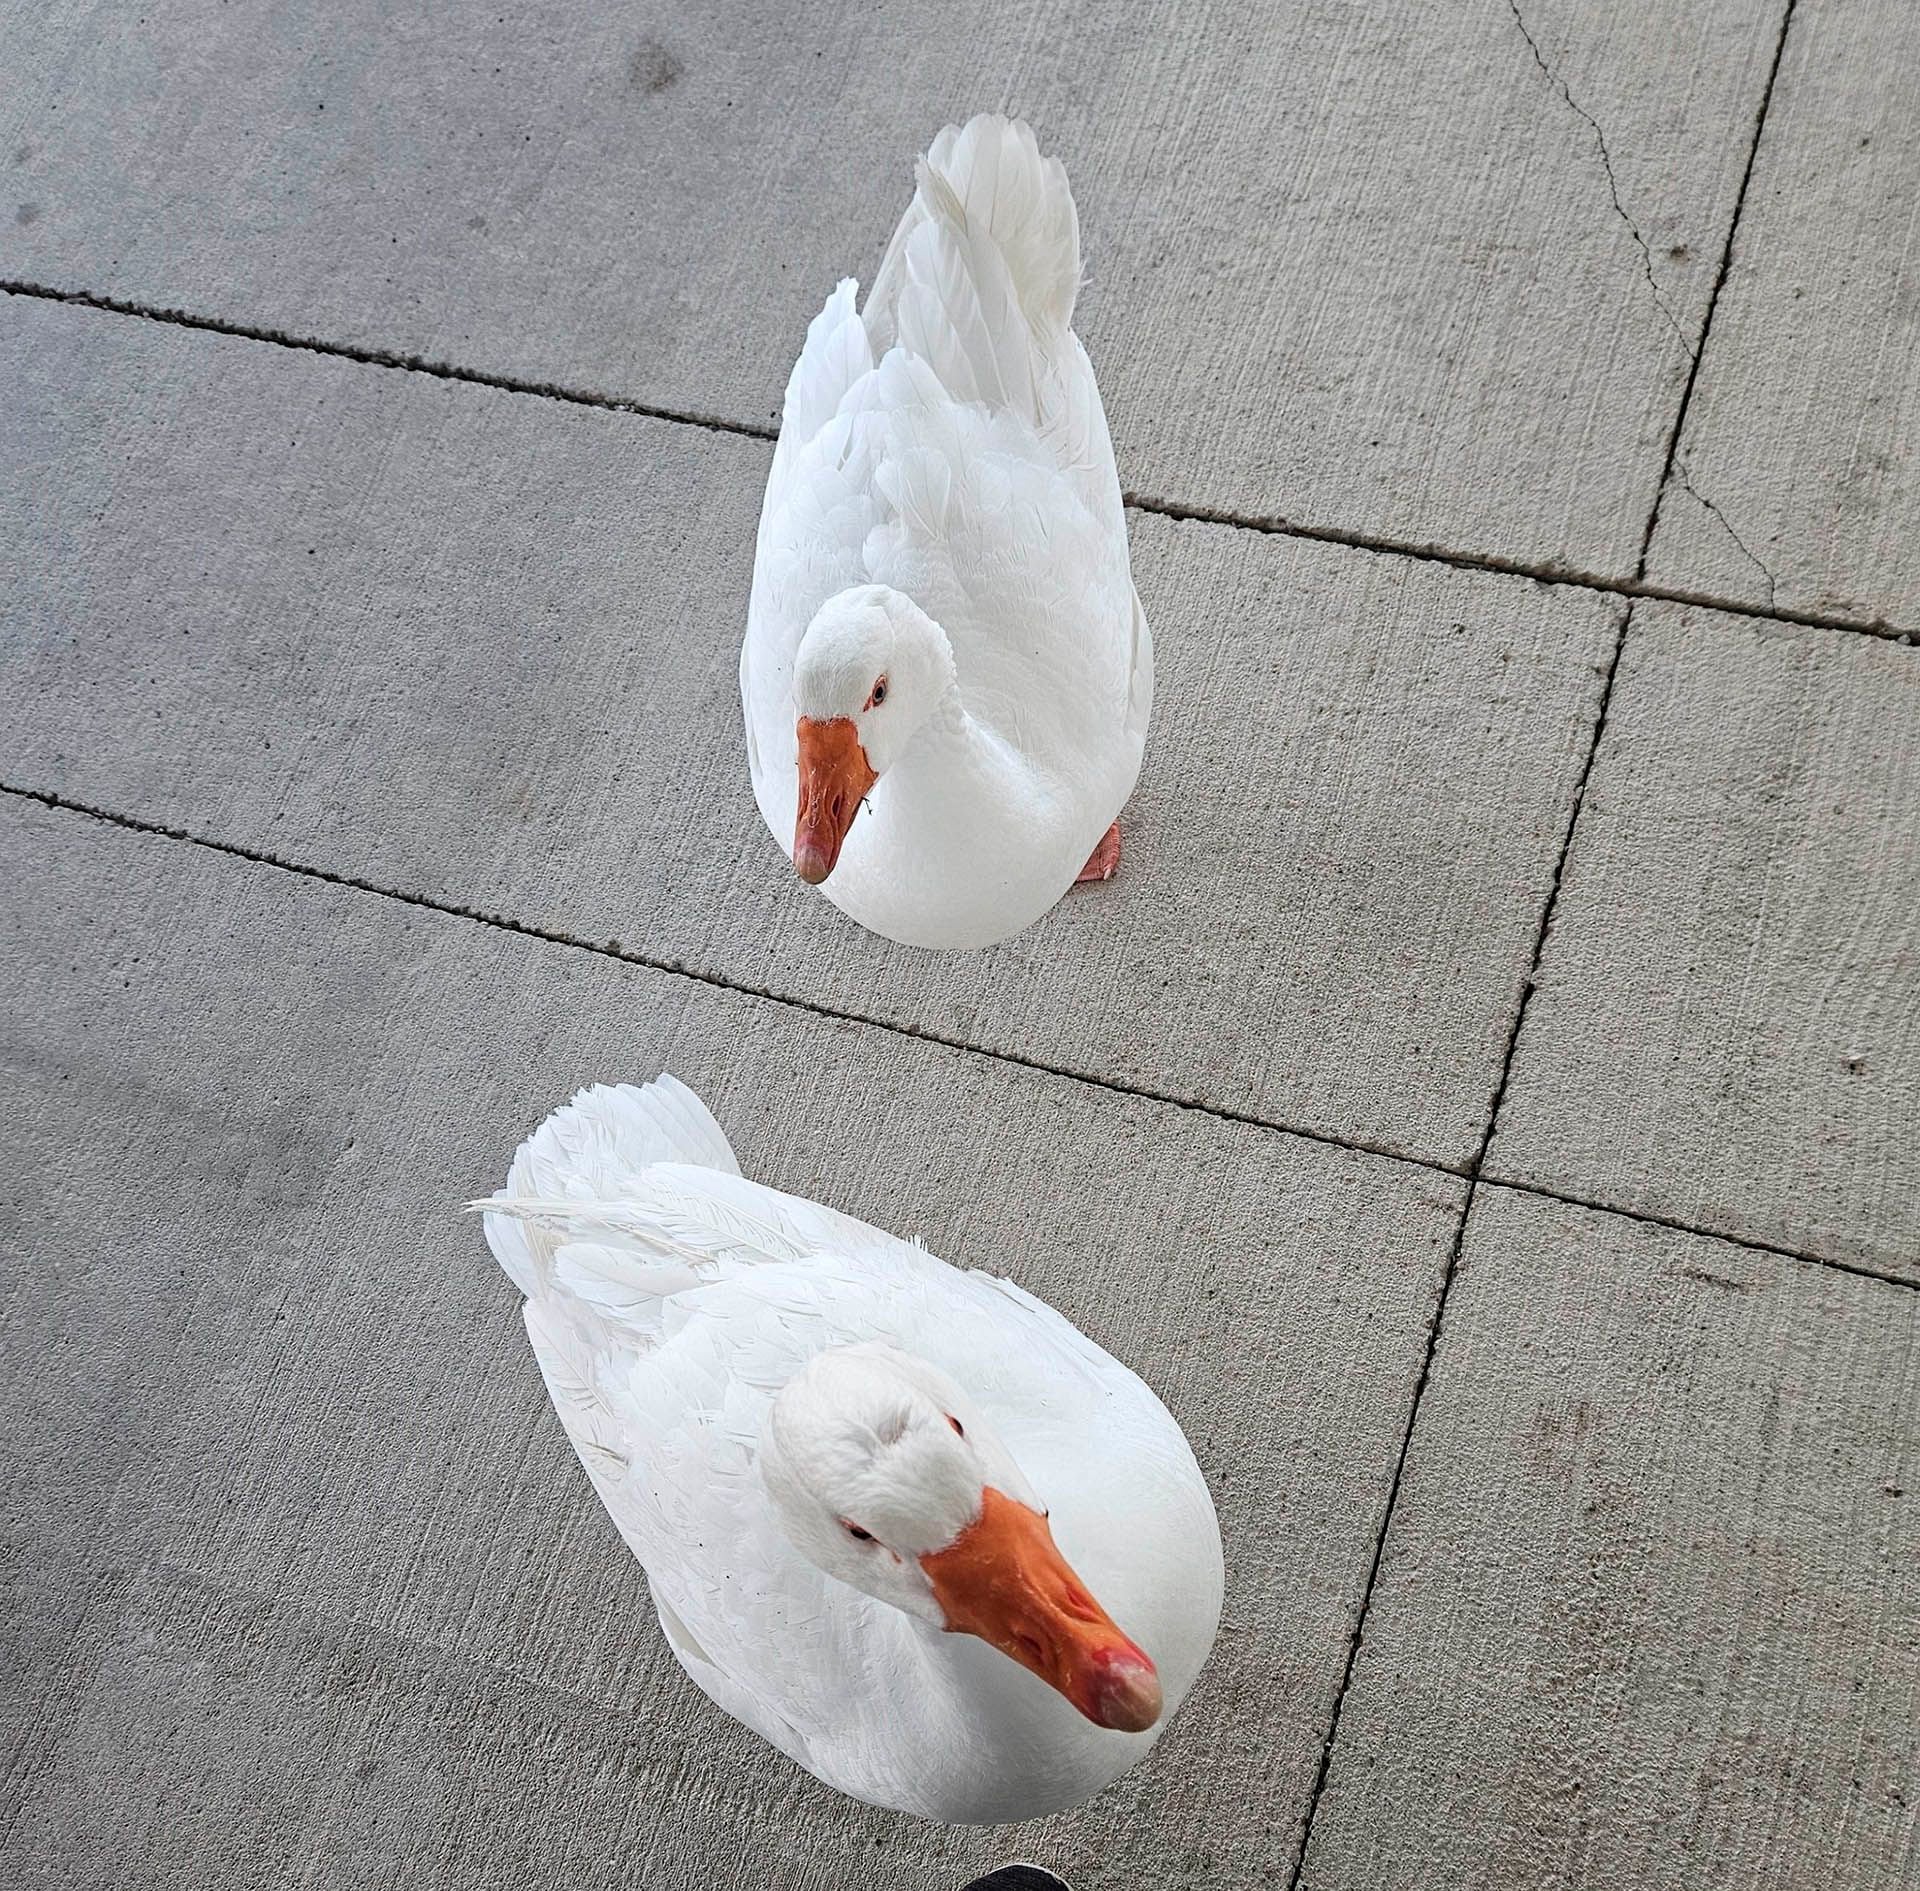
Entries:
{"x":943,"y":626}
{"x":876,"y":1497}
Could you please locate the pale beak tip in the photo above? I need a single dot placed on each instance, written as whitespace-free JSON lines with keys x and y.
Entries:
{"x":811,"y":863}
{"x":1127,"y":1695}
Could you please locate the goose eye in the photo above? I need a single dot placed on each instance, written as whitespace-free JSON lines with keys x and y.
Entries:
{"x":878,"y":694}
{"x":859,"y":1535}
{"x":959,"y":1430}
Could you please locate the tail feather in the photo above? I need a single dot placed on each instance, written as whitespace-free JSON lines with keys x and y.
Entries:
{"x":596,"y":1149}
{"x":1007,"y":191}
{"x":989,"y":206}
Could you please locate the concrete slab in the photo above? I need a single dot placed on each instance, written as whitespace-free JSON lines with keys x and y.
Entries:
{"x":223,"y":1740}
{"x":1432,"y":275}
{"x":1724,"y":1030}
{"x":361,"y":1610}
{"x":1645,"y":1615}
{"x":1796,"y":484}
{"x":481,"y":647}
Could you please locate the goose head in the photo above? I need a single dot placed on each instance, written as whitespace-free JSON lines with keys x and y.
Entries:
{"x":885,"y":1474}
{"x":869,"y":672}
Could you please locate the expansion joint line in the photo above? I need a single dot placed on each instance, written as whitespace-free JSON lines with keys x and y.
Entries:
{"x":612,"y":949}
{"x":368,"y":357}
{"x":1476,"y":1169}
{"x":1274,"y":525}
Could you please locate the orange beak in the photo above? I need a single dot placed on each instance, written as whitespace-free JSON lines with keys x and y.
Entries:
{"x":834,"y":779}
{"x":1002,"y":1579}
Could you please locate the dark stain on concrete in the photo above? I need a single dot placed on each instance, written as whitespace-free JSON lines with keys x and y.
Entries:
{"x":652,"y":68}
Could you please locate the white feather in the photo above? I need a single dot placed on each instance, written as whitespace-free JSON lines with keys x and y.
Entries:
{"x":948,"y":442}
{"x":665,"y":1321}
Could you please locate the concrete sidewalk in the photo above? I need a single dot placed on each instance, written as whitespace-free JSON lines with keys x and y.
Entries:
{"x":1486,"y":1106}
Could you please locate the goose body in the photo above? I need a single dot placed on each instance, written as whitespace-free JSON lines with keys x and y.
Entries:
{"x":943,"y":519}
{"x":805,"y":1428}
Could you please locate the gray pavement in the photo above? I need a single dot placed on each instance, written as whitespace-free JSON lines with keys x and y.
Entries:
{"x":1365,"y":273}
{"x":1486,"y":1106}
{"x":1658,"y":1495}
{"x":1795,"y":482}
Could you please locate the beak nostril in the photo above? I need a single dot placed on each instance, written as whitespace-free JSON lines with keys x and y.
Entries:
{"x":834,"y":776}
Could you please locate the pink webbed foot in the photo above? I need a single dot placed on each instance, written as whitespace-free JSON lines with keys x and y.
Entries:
{"x":1104,"y":859}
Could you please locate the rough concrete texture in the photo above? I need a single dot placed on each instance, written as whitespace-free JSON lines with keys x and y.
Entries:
{"x":311,"y":1589}
{"x":1664,"y":1498}
{"x":1796,"y":481}
{"x":481,"y":647}
{"x":300,"y":1584}
{"x":1432,"y":273}
{"x":1725,"y":1029}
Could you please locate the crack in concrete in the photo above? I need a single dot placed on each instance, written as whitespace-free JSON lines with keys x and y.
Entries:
{"x":1475,"y":1172}
{"x":1685,"y":474}
{"x":1276,"y":526}
{"x":679,"y":968}
{"x":389,"y":358}
{"x":1606,"y":165}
